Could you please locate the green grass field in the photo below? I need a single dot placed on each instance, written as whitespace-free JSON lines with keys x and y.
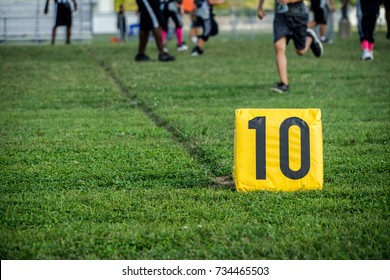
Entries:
{"x":105,"y":158}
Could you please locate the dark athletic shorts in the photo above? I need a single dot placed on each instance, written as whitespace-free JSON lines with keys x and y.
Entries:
{"x":63,"y":15}
{"x":386,"y":3}
{"x":371,"y":7}
{"x":292,"y":27}
{"x":151,"y":16}
{"x":320,"y":15}
{"x":176,"y":17}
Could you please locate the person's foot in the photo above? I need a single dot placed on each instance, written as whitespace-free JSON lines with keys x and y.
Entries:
{"x":280,"y":88}
{"x":328,"y":41}
{"x":367,"y":55}
{"x":316,"y":45}
{"x":388,"y":36}
{"x":165,"y":57}
{"x":141,"y":57}
{"x":182,"y":47}
{"x":197,"y":51}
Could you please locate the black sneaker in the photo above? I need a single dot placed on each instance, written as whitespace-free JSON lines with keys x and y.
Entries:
{"x":141,"y":57}
{"x":316,"y":45}
{"x":165,"y":57}
{"x":280,"y":87}
{"x":197,"y":51}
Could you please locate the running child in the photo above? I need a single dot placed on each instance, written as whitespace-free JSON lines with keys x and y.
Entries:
{"x":171,"y":9}
{"x":290,"y":23}
{"x":205,"y":20}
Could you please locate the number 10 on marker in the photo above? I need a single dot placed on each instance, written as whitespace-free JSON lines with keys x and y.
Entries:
{"x":278,"y":149}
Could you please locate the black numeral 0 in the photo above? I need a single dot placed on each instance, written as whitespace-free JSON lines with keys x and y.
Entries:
{"x":258,"y":124}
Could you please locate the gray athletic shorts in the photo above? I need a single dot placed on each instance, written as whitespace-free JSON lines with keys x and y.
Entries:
{"x":291,"y":26}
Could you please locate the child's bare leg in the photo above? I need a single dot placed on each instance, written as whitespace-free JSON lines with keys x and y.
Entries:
{"x":53,"y":35}
{"x":200,"y":43}
{"x":309,"y":40}
{"x":311,"y":24}
{"x":157,"y":32}
{"x":281,"y":59}
{"x":143,"y":41}
{"x":68,"y":34}
{"x":322,"y":31}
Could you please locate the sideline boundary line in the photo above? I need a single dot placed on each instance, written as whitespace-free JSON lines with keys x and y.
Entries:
{"x":196,"y":152}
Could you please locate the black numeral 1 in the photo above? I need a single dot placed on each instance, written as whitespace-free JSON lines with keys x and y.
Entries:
{"x":259,"y":125}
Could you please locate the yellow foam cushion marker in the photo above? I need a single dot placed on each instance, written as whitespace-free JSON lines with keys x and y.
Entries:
{"x":278,"y":150}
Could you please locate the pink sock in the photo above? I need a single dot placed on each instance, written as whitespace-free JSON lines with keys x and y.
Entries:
{"x":179,"y":35}
{"x":364,"y":45}
{"x":164,"y":36}
{"x":370,"y":46}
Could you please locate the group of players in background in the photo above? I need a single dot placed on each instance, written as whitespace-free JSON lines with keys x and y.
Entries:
{"x":291,"y":22}
{"x":155,"y":16}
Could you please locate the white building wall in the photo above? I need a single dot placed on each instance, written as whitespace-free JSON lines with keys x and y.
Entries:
{"x":104,"y":6}
{"x":105,"y":23}
{"x":104,"y":18}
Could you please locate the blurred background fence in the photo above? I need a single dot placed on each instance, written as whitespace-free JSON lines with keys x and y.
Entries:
{"x":26,"y":21}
